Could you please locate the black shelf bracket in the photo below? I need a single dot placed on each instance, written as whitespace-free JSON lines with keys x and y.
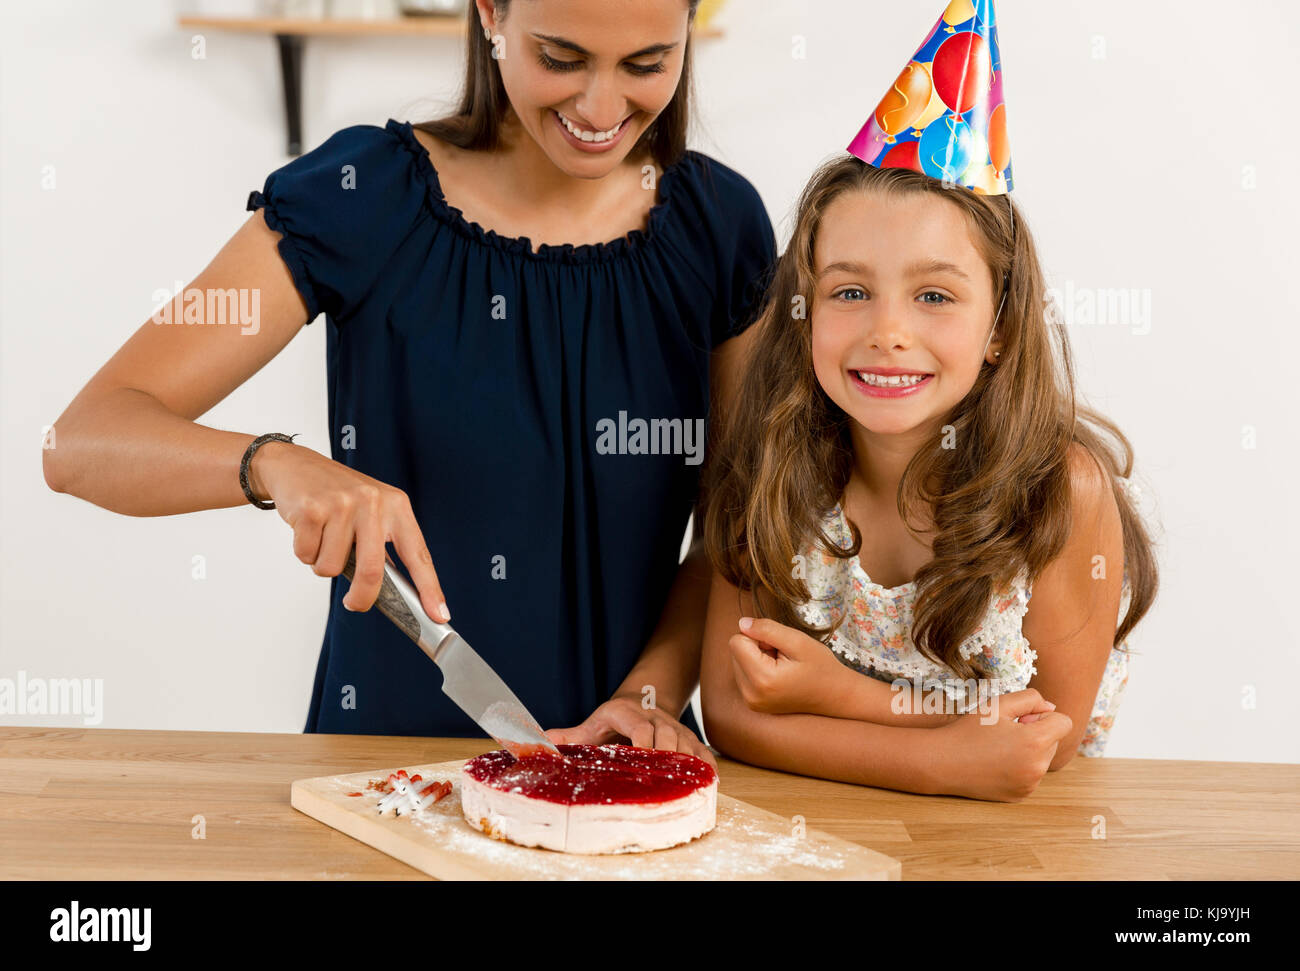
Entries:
{"x":291,"y":46}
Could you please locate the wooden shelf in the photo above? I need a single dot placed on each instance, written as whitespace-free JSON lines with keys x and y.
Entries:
{"x":290,"y":34}
{"x":433,"y":25}
{"x":450,"y":25}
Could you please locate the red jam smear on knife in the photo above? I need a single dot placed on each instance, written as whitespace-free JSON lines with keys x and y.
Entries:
{"x":528,"y":750}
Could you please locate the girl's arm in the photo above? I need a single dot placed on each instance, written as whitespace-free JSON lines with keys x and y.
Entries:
{"x":1003,"y":760}
{"x":781,"y":670}
{"x":864,"y":698}
{"x":1074,"y":612}
{"x":816,"y":745}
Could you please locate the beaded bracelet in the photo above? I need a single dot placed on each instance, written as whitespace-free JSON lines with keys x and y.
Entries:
{"x":253,"y":446}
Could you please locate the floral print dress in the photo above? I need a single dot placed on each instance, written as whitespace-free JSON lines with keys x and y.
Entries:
{"x":875,"y":638}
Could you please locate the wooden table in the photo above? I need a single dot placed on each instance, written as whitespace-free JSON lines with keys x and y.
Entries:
{"x":81,"y":803}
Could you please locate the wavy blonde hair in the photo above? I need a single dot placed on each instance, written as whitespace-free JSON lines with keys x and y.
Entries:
{"x":1001,"y":502}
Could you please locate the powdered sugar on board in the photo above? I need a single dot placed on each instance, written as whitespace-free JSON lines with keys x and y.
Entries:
{"x":747,"y":844}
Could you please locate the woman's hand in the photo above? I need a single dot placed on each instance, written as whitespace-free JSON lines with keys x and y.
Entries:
{"x":332,"y":508}
{"x":1005,"y":759}
{"x":779,"y":669}
{"x":623,"y":717}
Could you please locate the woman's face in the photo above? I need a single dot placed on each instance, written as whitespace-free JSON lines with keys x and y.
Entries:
{"x":607,"y":66}
{"x":901,"y":285}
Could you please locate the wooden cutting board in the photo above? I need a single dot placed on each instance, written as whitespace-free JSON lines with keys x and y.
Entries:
{"x":748,"y":843}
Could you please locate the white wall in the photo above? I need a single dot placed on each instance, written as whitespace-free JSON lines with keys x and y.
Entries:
{"x":1136,"y":169}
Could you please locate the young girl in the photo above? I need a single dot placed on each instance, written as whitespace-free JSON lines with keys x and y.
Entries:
{"x":904,"y":467}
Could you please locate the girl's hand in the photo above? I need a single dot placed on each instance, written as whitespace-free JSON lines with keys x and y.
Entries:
{"x":779,"y":670}
{"x":623,"y":717}
{"x":1003,"y":761}
{"x":332,"y":508}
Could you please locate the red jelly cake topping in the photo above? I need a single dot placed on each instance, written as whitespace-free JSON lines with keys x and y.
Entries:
{"x":595,"y":774}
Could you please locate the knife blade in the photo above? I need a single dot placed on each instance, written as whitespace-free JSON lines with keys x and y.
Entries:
{"x":467,"y":679}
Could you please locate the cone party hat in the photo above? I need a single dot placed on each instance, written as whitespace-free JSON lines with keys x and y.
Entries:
{"x":945,"y":115}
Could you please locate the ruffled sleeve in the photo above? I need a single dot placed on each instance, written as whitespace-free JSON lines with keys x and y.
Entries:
{"x":743,"y":246}
{"x":342,"y":210}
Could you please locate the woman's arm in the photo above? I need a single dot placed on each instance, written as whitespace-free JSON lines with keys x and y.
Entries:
{"x":670,"y":661}
{"x":128,"y":442}
{"x":1003,"y":760}
{"x":1074,"y":612}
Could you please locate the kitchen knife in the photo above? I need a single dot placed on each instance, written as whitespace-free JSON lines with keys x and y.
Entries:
{"x":467,"y":679}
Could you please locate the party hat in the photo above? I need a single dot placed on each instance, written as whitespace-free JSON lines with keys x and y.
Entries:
{"x":945,"y":115}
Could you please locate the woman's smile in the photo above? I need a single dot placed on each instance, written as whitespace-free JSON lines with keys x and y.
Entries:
{"x":588,"y":140}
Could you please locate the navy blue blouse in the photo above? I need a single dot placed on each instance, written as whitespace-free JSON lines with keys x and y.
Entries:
{"x":505,"y":391}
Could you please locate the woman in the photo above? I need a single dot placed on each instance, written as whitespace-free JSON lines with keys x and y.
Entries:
{"x":484,"y":396}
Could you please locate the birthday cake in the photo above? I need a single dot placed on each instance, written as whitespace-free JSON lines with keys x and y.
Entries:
{"x":596,"y":799}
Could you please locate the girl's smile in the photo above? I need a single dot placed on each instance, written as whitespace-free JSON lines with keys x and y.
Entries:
{"x":879,"y":382}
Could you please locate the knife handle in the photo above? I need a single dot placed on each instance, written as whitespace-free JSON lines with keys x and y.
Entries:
{"x":400,"y":604}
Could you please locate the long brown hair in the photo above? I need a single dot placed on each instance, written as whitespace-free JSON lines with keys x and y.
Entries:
{"x":476,"y":123}
{"x":999,"y":502}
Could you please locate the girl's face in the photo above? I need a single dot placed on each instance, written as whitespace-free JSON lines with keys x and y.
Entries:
{"x":900,"y":286}
{"x":608,"y":67}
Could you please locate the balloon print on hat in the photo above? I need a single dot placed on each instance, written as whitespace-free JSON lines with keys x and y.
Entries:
{"x":945,"y":149}
{"x":962,"y":71}
{"x":905,"y":102}
{"x":958,"y":12}
{"x":945,"y":114}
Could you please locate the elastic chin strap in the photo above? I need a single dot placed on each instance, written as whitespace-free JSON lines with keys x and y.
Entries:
{"x":1006,"y":280}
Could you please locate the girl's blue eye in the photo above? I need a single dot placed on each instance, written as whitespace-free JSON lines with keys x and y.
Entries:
{"x":848,"y":290}
{"x":932,"y":293}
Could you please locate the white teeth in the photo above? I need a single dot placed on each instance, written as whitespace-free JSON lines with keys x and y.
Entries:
{"x":896,"y":381}
{"x":589,"y":136}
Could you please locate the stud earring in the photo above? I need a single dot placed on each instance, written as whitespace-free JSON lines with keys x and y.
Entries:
{"x":487,"y":33}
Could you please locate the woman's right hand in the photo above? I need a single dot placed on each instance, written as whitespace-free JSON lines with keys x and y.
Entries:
{"x":1003,"y":760}
{"x":332,"y":508}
